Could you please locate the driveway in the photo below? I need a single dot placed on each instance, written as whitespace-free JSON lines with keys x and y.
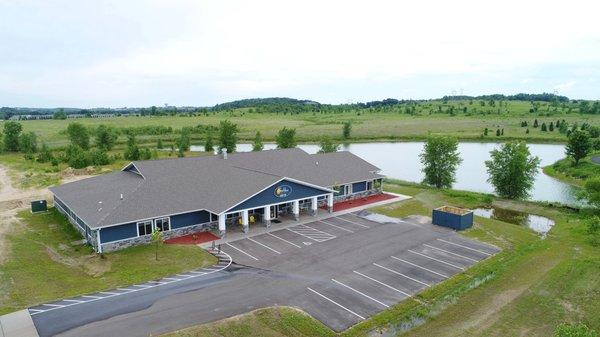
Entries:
{"x":340,"y":270}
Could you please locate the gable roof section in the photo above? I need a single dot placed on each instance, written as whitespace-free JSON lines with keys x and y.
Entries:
{"x":170,"y":186}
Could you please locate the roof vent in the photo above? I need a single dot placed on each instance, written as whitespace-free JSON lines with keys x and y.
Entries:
{"x":317,"y":163}
{"x":224,"y":153}
{"x":121,"y":196}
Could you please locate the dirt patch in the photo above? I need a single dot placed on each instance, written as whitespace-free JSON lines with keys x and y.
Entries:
{"x":90,"y":264}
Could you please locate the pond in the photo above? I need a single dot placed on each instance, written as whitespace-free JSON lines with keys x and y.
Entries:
{"x":537,"y":223}
{"x":400,"y":160}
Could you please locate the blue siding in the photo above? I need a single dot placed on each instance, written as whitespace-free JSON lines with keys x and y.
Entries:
{"x":120,"y":232}
{"x":359,"y":187}
{"x":268,"y":197}
{"x":188,"y":219}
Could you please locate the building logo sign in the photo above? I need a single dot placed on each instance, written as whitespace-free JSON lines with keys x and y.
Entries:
{"x":283,"y":191}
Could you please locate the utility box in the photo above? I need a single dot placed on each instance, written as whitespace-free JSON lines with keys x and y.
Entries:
{"x":452,"y":217}
{"x":39,"y":206}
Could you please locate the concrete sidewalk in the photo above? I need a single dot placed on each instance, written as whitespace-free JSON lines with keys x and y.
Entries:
{"x":17,"y":324}
{"x":259,"y":229}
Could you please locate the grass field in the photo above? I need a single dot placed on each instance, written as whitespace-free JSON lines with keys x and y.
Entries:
{"x":367,"y":124}
{"x":575,"y":175}
{"x":533,"y":285}
{"x":43,"y":264}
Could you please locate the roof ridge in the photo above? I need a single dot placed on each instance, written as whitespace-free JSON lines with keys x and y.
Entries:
{"x":255,"y":170}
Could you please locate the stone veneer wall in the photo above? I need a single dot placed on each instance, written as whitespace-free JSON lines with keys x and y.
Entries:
{"x":358,"y":195}
{"x":139,"y":240}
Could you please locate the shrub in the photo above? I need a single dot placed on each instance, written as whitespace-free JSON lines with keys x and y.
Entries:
{"x":98,"y":157}
{"x":77,"y":157}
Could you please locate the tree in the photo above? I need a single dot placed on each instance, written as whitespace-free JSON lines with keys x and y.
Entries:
{"x":45,"y":155}
{"x":328,"y":145}
{"x":535,"y":123}
{"x":132,"y":152}
{"x":208,"y":145}
{"x":551,"y":127}
{"x":106,"y":137}
{"x":98,"y":157}
{"x":257,"y":144}
{"x":544,"y":127}
{"x":79,"y":135}
{"x":183,"y":143}
{"x":157,"y":239}
{"x":527,"y":131}
{"x":440,"y":158}
{"x":347,"y":129}
{"x":578,"y":145}
{"x":485,"y":131}
{"x":497,"y":132}
{"x":59,"y":114}
{"x":159,"y":144}
{"x":28,"y":143}
{"x":227,"y":136}
{"x":12,"y":132}
{"x":512,"y":170}
{"x":286,"y":138}
{"x":76,"y":157}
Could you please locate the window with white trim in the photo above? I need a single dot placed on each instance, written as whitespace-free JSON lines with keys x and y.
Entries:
{"x":144,"y":227}
{"x":163,"y":224}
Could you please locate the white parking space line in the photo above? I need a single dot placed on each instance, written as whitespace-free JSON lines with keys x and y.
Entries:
{"x":352,"y":222}
{"x":451,"y":253}
{"x":127,"y":290}
{"x":94,"y":297}
{"x":284,"y":240}
{"x":241,"y":251}
{"x":171,"y":278}
{"x":36,"y":310}
{"x":361,"y":293}
{"x":338,"y":227}
{"x":399,"y":273}
{"x":438,"y":260}
{"x":383,"y":284}
{"x":416,"y":265}
{"x":108,"y":293}
{"x":469,"y":248}
{"x":76,"y":301}
{"x":53,"y":305}
{"x":258,"y":243}
{"x":336,"y":303}
{"x":323,"y":232}
{"x":196,"y":272}
{"x":141,"y":286}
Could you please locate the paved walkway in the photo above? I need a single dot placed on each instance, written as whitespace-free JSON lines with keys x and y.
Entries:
{"x":17,"y":324}
{"x":259,"y":229}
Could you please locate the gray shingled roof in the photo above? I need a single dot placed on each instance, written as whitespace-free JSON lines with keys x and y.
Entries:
{"x":172,"y":186}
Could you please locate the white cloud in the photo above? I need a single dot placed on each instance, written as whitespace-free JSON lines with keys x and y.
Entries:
{"x":235,"y":49}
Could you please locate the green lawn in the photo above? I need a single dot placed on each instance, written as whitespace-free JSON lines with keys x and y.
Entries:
{"x":565,"y":170}
{"x":44,"y":265}
{"x":528,"y":289}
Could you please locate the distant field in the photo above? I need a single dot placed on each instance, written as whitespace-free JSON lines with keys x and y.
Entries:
{"x":368,"y":124}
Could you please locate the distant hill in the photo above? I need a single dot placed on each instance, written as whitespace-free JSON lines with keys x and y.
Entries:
{"x":261,"y":102}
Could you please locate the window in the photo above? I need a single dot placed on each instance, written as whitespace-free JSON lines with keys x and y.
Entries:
{"x":163,"y":224}
{"x":144,"y":227}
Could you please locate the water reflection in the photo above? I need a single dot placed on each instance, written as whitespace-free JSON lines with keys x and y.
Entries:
{"x":537,"y":223}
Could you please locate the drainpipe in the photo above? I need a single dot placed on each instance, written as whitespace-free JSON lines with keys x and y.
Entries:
{"x":222,"y":225}
{"x":99,"y":249}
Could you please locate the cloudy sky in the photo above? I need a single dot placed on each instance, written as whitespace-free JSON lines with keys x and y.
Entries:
{"x":140,"y":53}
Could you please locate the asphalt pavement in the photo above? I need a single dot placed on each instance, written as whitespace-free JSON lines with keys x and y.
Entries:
{"x":340,"y":270}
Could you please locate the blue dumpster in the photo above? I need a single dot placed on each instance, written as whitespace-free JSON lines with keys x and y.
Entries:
{"x":452,"y":217}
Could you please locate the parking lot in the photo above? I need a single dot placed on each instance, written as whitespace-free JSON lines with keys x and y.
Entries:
{"x":341,"y":270}
{"x":360,"y":288}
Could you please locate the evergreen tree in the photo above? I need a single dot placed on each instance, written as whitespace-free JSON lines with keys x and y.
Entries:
{"x":497,"y":132}
{"x":347,"y":129}
{"x":535,"y":123}
{"x":551,"y":127}
{"x":132,"y":152}
{"x":527,"y":131}
{"x":159,"y":144}
{"x":257,"y":144}
{"x":502,"y":132}
{"x":512,"y":170}
{"x":544,"y":127}
{"x":45,"y":155}
{"x":440,"y":158}
{"x":286,"y":138}
{"x":485,"y":132}
{"x":184,"y":142}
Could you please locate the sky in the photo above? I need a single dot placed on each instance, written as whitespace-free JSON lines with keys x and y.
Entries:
{"x":130,"y":53}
